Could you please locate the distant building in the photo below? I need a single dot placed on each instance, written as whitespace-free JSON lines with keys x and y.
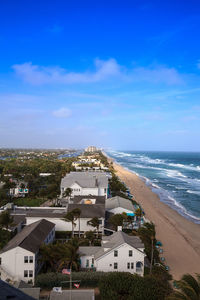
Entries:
{"x":118,"y":205}
{"x":19,"y":258}
{"x":91,"y":149}
{"x":85,"y":183}
{"x":18,"y":192}
{"x":118,"y":252}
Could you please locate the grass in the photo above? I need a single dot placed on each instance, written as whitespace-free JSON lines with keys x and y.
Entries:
{"x":29,"y":201}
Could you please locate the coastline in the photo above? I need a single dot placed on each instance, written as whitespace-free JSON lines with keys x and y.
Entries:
{"x":180,"y":237}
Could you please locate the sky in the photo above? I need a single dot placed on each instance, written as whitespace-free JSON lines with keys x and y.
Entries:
{"x":116,"y":74}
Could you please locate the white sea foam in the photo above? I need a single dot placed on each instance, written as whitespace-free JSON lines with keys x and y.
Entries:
{"x":193,"y":192}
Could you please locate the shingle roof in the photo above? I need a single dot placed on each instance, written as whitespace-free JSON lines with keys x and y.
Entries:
{"x":85,"y":179}
{"x":99,"y":199}
{"x":89,"y":210}
{"x":116,"y":239}
{"x":31,"y":237}
{"x":85,"y":250}
{"x":9,"y":292}
{"x":118,"y":201}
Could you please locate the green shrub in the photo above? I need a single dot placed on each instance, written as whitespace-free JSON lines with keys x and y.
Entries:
{"x":87,"y":279}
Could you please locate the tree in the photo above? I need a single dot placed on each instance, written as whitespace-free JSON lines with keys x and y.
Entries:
{"x":125,"y":286}
{"x":5,"y":219}
{"x":138,"y":214}
{"x":94,"y":222}
{"x":72,"y":216}
{"x":90,"y":236}
{"x":189,"y":288}
{"x":116,"y":220}
{"x":67,"y":192}
{"x":147,"y":234}
{"x":77,"y":214}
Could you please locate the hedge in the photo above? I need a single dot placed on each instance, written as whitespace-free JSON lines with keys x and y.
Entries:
{"x":87,"y":279}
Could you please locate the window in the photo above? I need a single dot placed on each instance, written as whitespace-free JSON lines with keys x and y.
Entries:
{"x":30,"y":273}
{"x":115,"y":265}
{"x":25,"y":273}
{"x":128,"y":265}
{"x":87,"y":263}
{"x":92,"y":260}
{"x":105,"y":191}
{"x":115,"y":253}
{"x":31,"y":259}
{"x":132,"y":265}
{"x":26,"y":259}
{"x":130,"y":253}
{"x":100,"y":221}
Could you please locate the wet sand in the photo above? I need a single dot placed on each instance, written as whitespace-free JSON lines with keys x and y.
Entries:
{"x":179,"y":236}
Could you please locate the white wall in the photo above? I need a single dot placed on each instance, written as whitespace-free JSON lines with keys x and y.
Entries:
{"x":106,"y":262}
{"x":120,"y":210}
{"x":62,"y":225}
{"x":12,"y":262}
{"x":84,"y":259}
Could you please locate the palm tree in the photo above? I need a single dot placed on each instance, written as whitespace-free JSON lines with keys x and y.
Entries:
{"x":189,"y":288}
{"x":72,"y":216}
{"x":138,"y":214}
{"x":94,"y":222}
{"x":69,"y":254}
{"x":77,"y":214}
{"x":5,"y":219}
{"x":116,"y":220}
{"x":67,"y":192}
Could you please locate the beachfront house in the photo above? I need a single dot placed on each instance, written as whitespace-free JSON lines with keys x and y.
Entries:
{"x":118,"y":205}
{"x":19,"y":259}
{"x":85,"y":183}
{"x":118,"y":252}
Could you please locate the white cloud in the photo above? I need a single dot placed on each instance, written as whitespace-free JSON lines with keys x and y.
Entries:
{"x":104,"y":70}
{"x":62,"y":113}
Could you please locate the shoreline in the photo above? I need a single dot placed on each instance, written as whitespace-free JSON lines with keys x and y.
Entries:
{"x":180,"y":237}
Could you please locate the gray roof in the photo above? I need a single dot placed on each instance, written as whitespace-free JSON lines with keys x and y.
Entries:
{"x":117,"y":239}
{"x":76,"y":295}
{"x":33,"y":292}
{"x":89,"y":210}
{"x":43,"y":212}
{"x":85,"y":250}
{"x":99,"y":199}
{"x":31,"y":237}
{"x":10,"y":292}
{"x":85,"y":180}
{"x":118,"y":201}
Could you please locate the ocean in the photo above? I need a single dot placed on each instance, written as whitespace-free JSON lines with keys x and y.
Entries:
{"x":174,"y":176}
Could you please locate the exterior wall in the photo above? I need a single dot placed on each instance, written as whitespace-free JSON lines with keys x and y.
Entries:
{"x":12,"y":262}
{"x":120,"y":210}
{"x":106,"y":263}
{"x":62,"y":225}
{"x":13,"y":265}
{"x":79,"y":191}
{"x":88,"y":262}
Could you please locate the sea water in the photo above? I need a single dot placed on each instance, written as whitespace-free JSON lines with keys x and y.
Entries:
{"x":174,"y":176}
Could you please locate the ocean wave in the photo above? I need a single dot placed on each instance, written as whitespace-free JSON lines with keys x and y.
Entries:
{"x":193,"y":192}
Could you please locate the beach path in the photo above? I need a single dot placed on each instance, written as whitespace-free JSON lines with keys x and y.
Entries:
{"x":179,"y":236}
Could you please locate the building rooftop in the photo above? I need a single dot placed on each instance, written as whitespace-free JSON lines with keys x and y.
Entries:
{"x":80,"y":199}
{"x":31,"y":237}
{"x":85,"y":179}
{"x":118,"y":201}
{"x":76,"y":295}
{"x":8,"y":291}
{"x":89,"y":210}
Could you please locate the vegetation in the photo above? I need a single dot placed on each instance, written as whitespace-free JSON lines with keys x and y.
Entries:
{"x":5,"y":237}
{"x":72,"y":216}
{"x":94,"y":222}
{"x":5,"y":219}
{"x":188,"y":288}
{"x":87,"y":279}
{"x":58,"y":256}
{"x":119,"y":286}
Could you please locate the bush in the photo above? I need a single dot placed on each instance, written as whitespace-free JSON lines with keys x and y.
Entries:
{"x":87,"y":279}
{"x":125,"y":286}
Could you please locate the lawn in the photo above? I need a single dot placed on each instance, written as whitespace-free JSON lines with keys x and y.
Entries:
{"x":29,"y":201}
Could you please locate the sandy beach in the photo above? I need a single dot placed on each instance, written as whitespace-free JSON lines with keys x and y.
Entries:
{"x":180,"y":237}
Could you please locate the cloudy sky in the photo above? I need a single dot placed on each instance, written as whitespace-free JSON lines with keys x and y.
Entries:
{"x":117,"y":74}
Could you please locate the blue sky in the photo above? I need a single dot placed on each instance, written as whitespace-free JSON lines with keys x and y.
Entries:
{"x":118,"y":74}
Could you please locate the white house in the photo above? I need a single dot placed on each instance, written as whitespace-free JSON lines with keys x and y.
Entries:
{"x":85,"y":183}
{"x":19,"y":258}
{"x":18,"y":192}
{"x":118,"y":252}
{"x":56,"y":215}
{"x":118,"y":205}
